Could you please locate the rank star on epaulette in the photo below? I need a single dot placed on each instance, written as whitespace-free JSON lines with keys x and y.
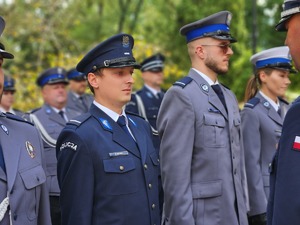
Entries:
{"x":30,"y":149}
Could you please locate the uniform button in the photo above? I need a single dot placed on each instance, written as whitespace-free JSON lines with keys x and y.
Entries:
{"x":150,"y":186}
{"x":234,"y":172}
{"x":121,"y":168}
{"x":15,"y":216}
{"x":153,"y":206}
{"x":37,"y":178}
{"x":145,"y":166}
{"x":233,"y":156}
{"x":157,"y":160}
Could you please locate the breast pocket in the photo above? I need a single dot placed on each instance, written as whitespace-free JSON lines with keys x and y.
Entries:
{"x":120,"y":175}
{"x":32,"y":178}
{"x":213,"y":132}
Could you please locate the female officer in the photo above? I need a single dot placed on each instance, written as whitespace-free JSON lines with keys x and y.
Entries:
{"x":262,"y":119}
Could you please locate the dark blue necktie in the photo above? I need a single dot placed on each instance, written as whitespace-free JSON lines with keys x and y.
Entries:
{"x":122,"y":122}
{"x":279,"y":111}
{"x":2,"y":163}
{"x":220,"y":94}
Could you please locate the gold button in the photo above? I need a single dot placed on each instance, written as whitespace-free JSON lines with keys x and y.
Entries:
{"x":121,"y":168}
{"x":150,"y":186}
{"x":145,"y":166}
{"x":153,"y":206}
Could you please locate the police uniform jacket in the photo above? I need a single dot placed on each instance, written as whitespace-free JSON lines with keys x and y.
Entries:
{"x":104,"y":178}
{"x":76,"y":104}
{"x":53,"y":124}
{"x":284,"y":201}
{"x":23,"y":179}
{"x":202,"y":161}
{"x":261,"y":127}
{"x":151,"y":104}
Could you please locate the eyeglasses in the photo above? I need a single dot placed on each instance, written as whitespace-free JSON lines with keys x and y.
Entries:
{"x":224,"y":47}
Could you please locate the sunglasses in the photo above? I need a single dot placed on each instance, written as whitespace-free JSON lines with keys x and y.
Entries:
{"x":224,"y":47}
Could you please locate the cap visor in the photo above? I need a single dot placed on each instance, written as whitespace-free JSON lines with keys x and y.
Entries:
{"x":6,"y":55}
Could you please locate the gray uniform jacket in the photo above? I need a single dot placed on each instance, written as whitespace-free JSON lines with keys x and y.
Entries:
{"x":53,"y":124}
{"x":24,"y":180}
{"x":76,"y":104}
{"x":202,"y":161}
{"x":261,"y":127}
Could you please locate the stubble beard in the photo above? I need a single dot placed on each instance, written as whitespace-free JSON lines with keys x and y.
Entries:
{"x":213,"y":65}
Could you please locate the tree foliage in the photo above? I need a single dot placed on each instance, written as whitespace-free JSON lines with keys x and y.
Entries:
{"x":42,"y":34}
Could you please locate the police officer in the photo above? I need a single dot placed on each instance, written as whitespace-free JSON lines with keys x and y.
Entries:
{"x":262,"y":119}
{"x":202,"y":161}
{"x":23,"y":191}
{"x":283,"y":206}
{"x":8,"y":98}
{"x":77,"y":98}
{"x":50,"y":119}
{"x":107,"y":164}
{"x":146,"y":102}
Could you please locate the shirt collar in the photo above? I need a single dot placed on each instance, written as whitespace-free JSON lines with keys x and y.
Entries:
{"x":206,"y":78}
{"x":273,"y":104}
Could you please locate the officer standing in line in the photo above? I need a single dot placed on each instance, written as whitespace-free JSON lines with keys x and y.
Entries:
{"x":23,"y":191}
{"x":77,"y":98}
{"x":50,"y":119}
{"x":8,"y":97}
{"x":201,"y":152}
{"x":146,"y":102}
{"x":108,"y":167}
{"x":284,"y":201}
{"x":262,"y":119}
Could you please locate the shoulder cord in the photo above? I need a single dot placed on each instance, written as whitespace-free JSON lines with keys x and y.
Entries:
{"x":45,"y":136}
{"x":142,"y":112}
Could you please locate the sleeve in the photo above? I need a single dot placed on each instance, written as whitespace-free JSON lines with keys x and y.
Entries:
{"x":76,"y":179}
{"x":252,"y":150}
{"x":44,"y":204}
{"x":177,"y":119}
{"x":285,"y":181}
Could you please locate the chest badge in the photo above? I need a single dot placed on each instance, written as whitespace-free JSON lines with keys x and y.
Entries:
{"x":30,"y":149}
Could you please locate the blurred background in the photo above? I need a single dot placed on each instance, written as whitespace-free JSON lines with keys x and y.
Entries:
{"x":47,"y":33}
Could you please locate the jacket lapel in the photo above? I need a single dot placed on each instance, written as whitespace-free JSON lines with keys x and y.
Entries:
{"x":11,"y":153}
{"x":118,"y":135}
{"x":213,"y":98}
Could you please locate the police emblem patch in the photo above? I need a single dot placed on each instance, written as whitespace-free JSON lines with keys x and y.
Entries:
{"x":4,"y":128}
{"x":105,"y":123}
{"x":204,"y":87}
{"x":266,"y":104}
{"x":125,"y":41}
{"x":30,"y":149}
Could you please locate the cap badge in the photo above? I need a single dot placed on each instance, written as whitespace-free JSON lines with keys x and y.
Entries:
{"x":125,"y":42}
{"x":59,"y":70}
{"x":229,"y":17}
{"x":30,"y":149}
{"x":4,"y":128}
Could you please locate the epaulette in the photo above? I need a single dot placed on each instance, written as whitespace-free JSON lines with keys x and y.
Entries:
{"x":283,"y":100}
{"x":79,"y":119}
{"x":183,"y":82}
{"x":225,"y":86}
{"x":17,"y":118}
{"x":252,"y":102}
{"x":134,"y":114}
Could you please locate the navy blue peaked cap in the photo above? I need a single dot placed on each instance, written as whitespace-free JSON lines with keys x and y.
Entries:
{"x":52,"y":76}
{"x":289,"y":8}
{"x":5,"y":54}
{"x":115,"y":52}
{"x":2,"y":25}
{"x":215,"y":26}
{"x":154,"y":63}
{"x":73,"y":74}
{"x":9,"y":84}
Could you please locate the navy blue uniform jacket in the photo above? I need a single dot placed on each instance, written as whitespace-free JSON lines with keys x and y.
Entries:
{"x":284,"y":200}
{"x":104,"y":178}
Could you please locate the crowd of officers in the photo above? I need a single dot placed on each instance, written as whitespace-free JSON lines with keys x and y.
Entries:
{"x":183,"y":156}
